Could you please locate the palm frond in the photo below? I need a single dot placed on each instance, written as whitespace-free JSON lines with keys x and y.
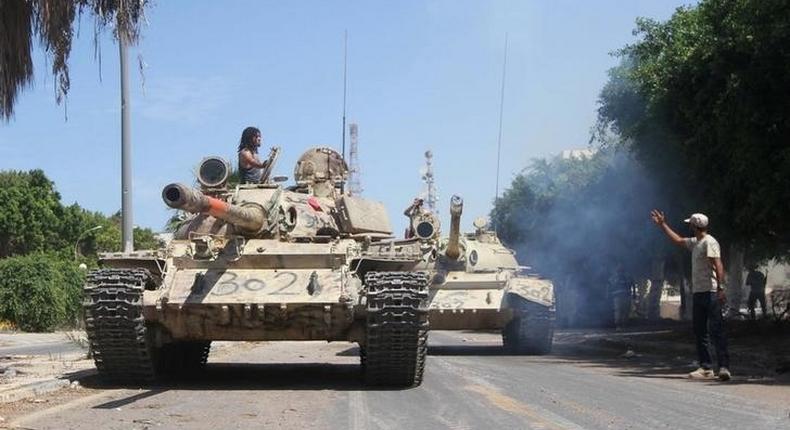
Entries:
{"x":52,"y":21}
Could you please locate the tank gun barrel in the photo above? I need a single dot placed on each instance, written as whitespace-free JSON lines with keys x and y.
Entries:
{"x":453,"y":250}
{"x":179,"y":196}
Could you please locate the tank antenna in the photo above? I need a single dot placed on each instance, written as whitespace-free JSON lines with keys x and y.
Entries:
{"x":354,"y":184}
{"x":501,"y":109}
{"x":345,"y":62}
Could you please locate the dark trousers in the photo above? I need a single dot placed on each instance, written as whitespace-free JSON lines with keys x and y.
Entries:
{"x":708,"y":325}
{"x":754,"y":297}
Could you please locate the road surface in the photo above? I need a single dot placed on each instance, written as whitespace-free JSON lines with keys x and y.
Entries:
{"x":470,"y":384}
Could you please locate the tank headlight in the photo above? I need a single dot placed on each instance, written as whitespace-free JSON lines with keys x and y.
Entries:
{"x":213,"y":172}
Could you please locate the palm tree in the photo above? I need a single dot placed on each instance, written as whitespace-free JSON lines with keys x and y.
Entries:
{"x":53,"y":21}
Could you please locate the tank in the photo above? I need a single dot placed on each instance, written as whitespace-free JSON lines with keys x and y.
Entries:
{"x":477,"y":284}
{"x":264,"y":262}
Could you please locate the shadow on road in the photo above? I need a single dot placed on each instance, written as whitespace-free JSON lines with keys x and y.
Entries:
{"x":449,"y":350}
{"x":468,"y":350}
{"x":129,"y":400}
{"x":656,"y":365}
{"x":252,"y":376}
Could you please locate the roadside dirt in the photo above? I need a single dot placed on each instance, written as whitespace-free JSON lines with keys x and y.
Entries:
{"x":29,"y":369}
{"x":757,"y":348}
{"x":18,"y":370}
{"x":21,"y":371}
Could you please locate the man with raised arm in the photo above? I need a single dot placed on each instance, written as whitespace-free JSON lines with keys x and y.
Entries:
{"x":707,"y":283}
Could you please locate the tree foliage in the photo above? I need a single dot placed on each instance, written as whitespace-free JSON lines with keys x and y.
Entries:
{"x":580,"y":214}
{"x":33,"y":219}
{"x":109,"y":237}
{"x":29,"y":214}
{"x":39,"y":292}
{"x":40,"y":283}
{"x":576,"y":220}
{"x":52,"y":21}
{"x":701,"y":99}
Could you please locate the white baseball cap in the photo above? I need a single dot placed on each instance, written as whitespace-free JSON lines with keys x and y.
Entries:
{"x":697,"y":220}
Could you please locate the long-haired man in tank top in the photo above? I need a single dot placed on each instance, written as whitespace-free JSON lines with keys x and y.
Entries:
{"x":250,"y":166}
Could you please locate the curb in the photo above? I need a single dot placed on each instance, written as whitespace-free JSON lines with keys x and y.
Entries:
{"x":39,"y":388}
{"x":32,"y":389}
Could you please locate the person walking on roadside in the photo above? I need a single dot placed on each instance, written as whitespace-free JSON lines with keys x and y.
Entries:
{"x":620,"y":288}
{"x":707,"y":284}
{"x":756,"y":282}
{"x":414,"y":210}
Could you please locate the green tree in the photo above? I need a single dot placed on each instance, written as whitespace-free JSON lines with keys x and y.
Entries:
{"x":574,"y":220}
{"x":108,"y":239}
{"x":560,"y":213}
{"x":39,"y":292}
{"x":33,"y":219}
{"x":30,"y":212}
{"x":701,"y":99}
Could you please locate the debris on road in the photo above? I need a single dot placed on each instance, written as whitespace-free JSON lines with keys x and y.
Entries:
{"x":629,"y":354}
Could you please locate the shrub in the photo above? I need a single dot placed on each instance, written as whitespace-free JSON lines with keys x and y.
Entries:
{"x":39,"y":292}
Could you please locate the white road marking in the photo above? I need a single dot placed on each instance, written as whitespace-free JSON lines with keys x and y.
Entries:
{"x":358,"y":406}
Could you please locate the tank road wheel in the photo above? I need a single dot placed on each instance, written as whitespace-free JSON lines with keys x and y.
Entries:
{"x":115,"y":325}
{"x":531,"y":331}
{"x":397,"y":328}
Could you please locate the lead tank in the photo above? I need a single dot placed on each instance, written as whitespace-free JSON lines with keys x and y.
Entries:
{"x":264,"y":262}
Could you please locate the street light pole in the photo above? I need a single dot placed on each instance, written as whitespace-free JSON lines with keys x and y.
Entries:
{"x":126,"y":151}
{"x":77,"y":243}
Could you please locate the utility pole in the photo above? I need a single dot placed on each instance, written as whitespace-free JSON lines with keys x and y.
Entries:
{"x":354,"y":184}
{"x":126,"y":150}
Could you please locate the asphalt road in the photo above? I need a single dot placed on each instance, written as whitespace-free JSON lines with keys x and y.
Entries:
{"x":469,"y":384}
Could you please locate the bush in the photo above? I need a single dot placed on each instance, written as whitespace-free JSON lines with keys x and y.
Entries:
{"x":39,"y":292}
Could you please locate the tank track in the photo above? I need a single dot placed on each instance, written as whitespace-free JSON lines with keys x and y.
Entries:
{"x":397,"y":328}
{"x":115,"y":325}
{"x":532,"y":329}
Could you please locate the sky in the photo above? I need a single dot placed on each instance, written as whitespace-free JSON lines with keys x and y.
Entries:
{"x":421,"y":75}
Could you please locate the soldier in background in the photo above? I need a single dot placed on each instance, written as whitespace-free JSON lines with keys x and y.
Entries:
{"x":414,"y":210}
{"x":756,"y":282}
{"x":620,"y":291}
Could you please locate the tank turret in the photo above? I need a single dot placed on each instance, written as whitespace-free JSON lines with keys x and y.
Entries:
{"x":250,"y":217}
{"x":453,"y":250}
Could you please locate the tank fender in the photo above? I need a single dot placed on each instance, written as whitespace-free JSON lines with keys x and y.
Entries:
{"x":534,"y":289}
